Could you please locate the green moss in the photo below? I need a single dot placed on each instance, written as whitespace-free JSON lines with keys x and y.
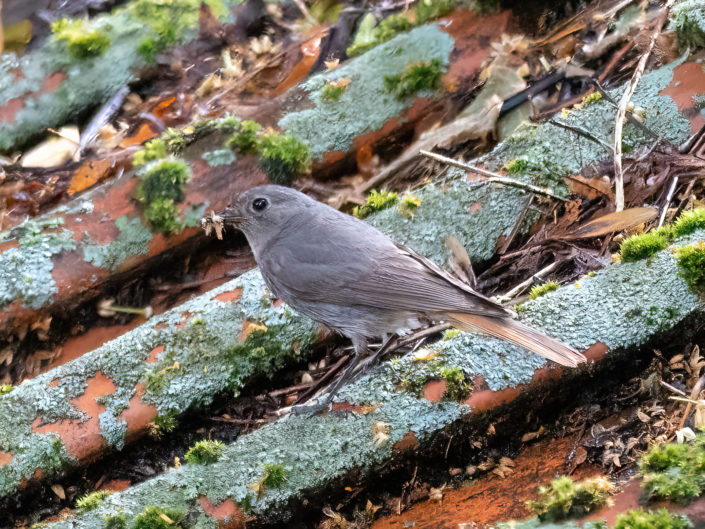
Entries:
{"x":416,"y":77}
{"x":81,"y":42}
{"x":517,"y":166}
{"x":564,"y":498}
{"x":688,"y":19}
{"x":162,"y":185}
{"x":274,"y":475}
{"x":541,"y":290}
{"x":449,"y":334}
{"x":409,"y":204}
{"x":591,"y":98}
{"x":427,"y":10}
{"x":162,"y":215}
{"x":157,"y":518}
{"x":92,"y":500}
{"x":332,"y":91}
{"x":642,"y":246}
{"x":376,"y":201}
{"x":204,"y":452}
{"x":691,"y":262}
{"x":6,"y":388}
{"x":369,"y":36}
{"x":675,"y":472}
{"x":153,"y":150}
{"x":133,"y":239}
{"x":117,"y":521}
{"x":661,"y":519}
{"x":283,"y":157}
{"x":165,"y":423}
{"x":688,"y":222}
{"x":168,"y":21}
{"x":457,"y":386}
{"x":244,"y":139}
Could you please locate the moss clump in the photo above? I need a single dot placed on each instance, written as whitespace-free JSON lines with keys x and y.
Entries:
{"x":81,"y":42}
{"x":564,"y":498}
{"x":661,"y":519}
{"x":409,"y":204}
{"x":691,"y":262}
{"x":542,"y":290}
{"x":162,"y":185}
{"x":274,"y":475}
{"x":457,"y":387}
{"x":332,"y":91}
{"x":283,"y":157}
{"x":517,"y":166}
{"x":6,"y":388}
{"x":204,"y":452}
{"x":675,"y":472}
{"x":427,"y":10}
{"x":688,"y":222}
{"x":92,"y":500}
{"x":688,"y":19}
{"x":169,"y":21}
{"x":244,"y":138}
{"x":376,"y":201}
{"x":592,"y":97}
{"x":153,"y":150}
{"x":162,"y":214}
{"x":416,"y":77}
{"x":163,"y":424}
{"x":642,"y":246}
{"x":158,"y":518}
{"x":369,"y":36}
{"x":117,"y":521}
{"x":450,"y":334}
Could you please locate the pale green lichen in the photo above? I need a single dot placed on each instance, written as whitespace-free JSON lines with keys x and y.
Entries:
{"x":132,"y":240}
{"x":364,"y":106}
{"x":113,"y":430}
{"x":218,"y":157}
{"x":26,"y":271}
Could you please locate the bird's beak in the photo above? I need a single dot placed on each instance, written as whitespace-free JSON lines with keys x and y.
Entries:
{"x":231,"y":216}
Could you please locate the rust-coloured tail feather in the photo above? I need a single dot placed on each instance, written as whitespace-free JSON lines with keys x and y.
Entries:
{"x":519,"y":334}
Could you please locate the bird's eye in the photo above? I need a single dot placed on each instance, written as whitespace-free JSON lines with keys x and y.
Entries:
{"x":259,"y":204}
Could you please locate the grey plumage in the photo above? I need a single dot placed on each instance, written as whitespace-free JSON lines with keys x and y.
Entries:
{"x":344,"y":273}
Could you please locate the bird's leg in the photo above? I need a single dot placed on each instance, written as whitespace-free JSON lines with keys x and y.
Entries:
{"x":388,"y":345}
{"x":360,"y":347}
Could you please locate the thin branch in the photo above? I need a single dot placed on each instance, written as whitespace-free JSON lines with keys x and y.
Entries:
{"x":630,"y":115}
{"x":622,"y":108}
{"x":493,"y":178}
{"x":581,"y":132}
{"x":524,"y":284}
{"x":669,"y":197}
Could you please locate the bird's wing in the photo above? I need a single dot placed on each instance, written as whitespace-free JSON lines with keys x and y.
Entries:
{"x":369,"y":271}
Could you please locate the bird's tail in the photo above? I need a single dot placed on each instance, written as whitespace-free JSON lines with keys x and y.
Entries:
{"x":519,"y":334}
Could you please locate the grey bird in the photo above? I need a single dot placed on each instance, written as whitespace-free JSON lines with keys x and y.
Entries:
{"x":346,"y":274}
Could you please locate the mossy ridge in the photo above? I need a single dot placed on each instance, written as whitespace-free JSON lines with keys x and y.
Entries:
{"x":92,"y":500}
{"x":376,"y":201}
{"x":660,"y":519}
{"x":204,"y":452}
{"x":123,"y":361}
{"x":417,"y":77}
{"x":135,"y":32}
{"x":26,"y":271}
{"x":542,"y":290}
{"x":82,"y":42}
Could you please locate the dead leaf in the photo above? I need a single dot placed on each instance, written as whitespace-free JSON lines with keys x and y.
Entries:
{"x":613,"y":222}
{"x":59,"y":491}
{"x":57,"y":150}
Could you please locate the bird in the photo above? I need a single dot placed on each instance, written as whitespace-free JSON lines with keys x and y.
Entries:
{"x":346,"y":274}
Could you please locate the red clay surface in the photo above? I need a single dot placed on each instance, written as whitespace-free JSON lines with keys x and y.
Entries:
{"x":490,"y":498}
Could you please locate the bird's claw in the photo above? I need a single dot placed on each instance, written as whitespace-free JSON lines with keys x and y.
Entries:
{"x":310,"y":409}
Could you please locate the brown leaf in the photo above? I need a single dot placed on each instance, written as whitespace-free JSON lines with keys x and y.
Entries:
{"x":613,"y":222}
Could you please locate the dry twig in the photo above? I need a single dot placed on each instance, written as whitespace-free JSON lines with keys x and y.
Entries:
{"x":622,"y":109}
